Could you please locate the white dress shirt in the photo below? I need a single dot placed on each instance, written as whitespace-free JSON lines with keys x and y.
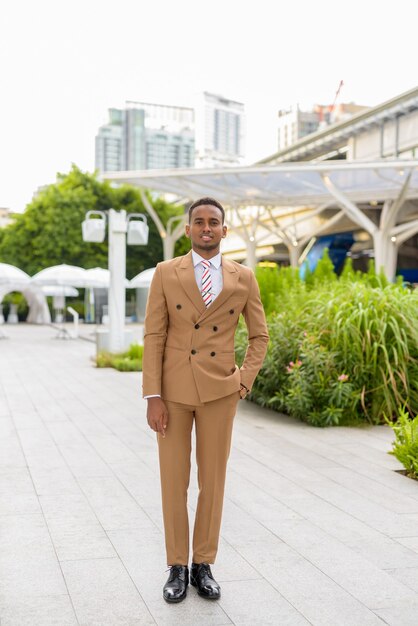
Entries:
{"x":217,"y":278}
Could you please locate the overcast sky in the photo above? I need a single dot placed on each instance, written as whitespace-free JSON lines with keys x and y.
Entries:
{"x":63,"y":64}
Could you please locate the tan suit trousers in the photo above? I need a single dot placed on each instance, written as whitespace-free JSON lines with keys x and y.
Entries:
{"x":213,"y":424}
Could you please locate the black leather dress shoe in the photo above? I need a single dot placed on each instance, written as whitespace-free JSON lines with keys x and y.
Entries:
{"x":175,"y":589}
{"x":201,"y":577}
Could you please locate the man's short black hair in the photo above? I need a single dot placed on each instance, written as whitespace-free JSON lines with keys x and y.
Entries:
{"x":203,"y":201}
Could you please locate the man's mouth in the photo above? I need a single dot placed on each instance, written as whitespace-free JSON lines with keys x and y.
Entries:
{"x":206,"y":237}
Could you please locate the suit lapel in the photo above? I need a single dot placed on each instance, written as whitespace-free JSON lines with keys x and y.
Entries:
{"x":230,"y":277}
{"x":186,"y":276}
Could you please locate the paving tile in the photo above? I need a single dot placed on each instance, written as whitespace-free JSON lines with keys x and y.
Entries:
{"x":75,"y":540}
{"x":111,"y":448}
{"x":25,"y":417}
{"x":231,"y":566}
{"x":11,"y":454}
{"x":103,"y":593}
{"x":7,"y":427}
{"x":71,"y":508}
{"x":408,"y":576}
{"x":351,"y":571}
{"x":51,"y":413}
{"x":385,"y":552}
{"x":83,"y":460}
{"x":60,"y":481}
{"x":267,"y":606}
{"x":385,"y":496}
{"x":410,"y":542}
{"x":46,"y":457}
{"x":114,"y":505}
{"x":38,"y":611}
{"x":28,"y":557}
{"x":316,"y":520}
{"x":193,"y":610}
{"x":371,"y":455}
{"x":17,"y":493}
{"x":312,"y":593}
{"x":390,"y":478}
{"x":144,"y":558}
{"x":399,"y":615}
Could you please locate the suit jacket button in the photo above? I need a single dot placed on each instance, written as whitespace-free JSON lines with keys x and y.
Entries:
{"x":193,"y":351}
{"x":215,"y":328}
{"x":231,"y":311}
{"x":212,"y":353}
{"x":178,"y":306}
{"x":197,"y":326}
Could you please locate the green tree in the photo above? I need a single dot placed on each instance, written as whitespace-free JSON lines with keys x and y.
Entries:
{"x":49,"y":231}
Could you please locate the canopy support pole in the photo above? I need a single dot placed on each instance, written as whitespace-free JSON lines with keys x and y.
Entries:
{"x":385,"y":240}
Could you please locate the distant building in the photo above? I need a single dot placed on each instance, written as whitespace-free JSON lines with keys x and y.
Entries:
{"x":293,"y":124}
{"x":109,"y":143}
{"x":146,"y":136}
{"x":220,"y":131}
{"x":386,"y":131}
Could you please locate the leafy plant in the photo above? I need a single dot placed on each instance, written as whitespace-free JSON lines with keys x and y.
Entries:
{"x":405,"y":446}
{"x":129,"y":361}
{"x":357,"y":326}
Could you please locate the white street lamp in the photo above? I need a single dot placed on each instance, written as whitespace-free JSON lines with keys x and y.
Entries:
{"x":93,"y":229}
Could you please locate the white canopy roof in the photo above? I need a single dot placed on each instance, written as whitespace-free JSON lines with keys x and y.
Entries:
{"x":292,"y":184}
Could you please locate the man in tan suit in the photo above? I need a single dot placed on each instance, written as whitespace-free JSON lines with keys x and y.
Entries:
{"x":190,"y":377}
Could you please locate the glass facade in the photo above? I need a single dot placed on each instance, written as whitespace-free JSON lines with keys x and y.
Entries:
{"x":146,"y":136}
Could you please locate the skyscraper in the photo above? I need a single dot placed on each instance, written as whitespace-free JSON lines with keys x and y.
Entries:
{"x":146,"y":136}
{"x":220,"y":131}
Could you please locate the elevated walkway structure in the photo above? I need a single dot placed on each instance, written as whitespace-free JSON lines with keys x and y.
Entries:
{"x":389,"y":129}
{"x":293,"y":202}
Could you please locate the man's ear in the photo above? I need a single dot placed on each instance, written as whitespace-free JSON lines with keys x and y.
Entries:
{"x":187,"y":230}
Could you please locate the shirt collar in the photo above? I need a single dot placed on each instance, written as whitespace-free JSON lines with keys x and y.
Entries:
{"x":216,"y":260}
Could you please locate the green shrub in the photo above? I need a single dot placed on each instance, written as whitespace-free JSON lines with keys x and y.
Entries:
{"x":104,"y":359}
{"x":405,"y":446}
{"x":130,"y":361}
{"x":356,"y":339}
{"x":126,"y":364}
{"x":277,"y":283}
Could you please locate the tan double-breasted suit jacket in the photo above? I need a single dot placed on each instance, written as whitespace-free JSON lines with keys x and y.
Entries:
{"x":189,"y":349}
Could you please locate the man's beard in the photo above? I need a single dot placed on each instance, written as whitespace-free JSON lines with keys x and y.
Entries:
{"x":211,"y":246}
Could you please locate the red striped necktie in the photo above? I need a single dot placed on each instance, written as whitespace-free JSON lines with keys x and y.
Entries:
{"x":206,"y":288}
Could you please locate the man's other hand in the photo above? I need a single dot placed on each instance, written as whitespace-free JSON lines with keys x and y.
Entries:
{"x":157,"y":415}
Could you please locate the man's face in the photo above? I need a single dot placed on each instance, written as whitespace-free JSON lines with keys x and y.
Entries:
{"x":206,"y":229}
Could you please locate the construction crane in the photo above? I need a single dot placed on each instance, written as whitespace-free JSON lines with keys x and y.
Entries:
{"x":337,"y":93}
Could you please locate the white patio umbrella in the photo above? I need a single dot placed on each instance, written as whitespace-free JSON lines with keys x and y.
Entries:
{"x":59,"y":290}
{"x":61,"y":275}
{"x":99,"y":277}
{"x":143,"y":279}
{"x":13,"y":276}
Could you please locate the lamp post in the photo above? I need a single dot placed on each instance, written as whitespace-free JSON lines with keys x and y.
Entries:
{"x":94,"y":230}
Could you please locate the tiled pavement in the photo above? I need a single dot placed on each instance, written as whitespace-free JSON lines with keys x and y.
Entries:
{"x":318,"y":527}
